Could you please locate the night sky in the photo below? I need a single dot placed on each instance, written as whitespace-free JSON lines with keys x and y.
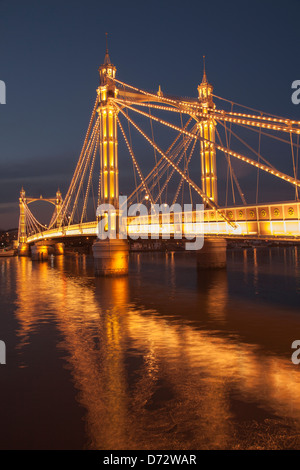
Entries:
{"x":50,"y":52}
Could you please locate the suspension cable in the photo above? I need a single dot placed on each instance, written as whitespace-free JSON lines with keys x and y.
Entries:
{"x":135,"y":162}
{"x":204,"y":196}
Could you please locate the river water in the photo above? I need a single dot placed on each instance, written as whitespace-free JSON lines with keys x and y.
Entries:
{"x":162,"y":359}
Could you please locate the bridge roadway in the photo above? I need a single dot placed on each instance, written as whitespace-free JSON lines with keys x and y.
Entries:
{"x":276,"y":220}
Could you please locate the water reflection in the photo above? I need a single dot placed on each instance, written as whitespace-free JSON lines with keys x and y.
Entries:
{"x":165,"y":359}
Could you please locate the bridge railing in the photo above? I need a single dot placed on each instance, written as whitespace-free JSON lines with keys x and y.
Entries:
{"x":278,"y":220}
{"x":267,"y":220}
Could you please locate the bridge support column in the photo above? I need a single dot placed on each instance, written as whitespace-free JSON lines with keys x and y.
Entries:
{"x":110,"y":254}
{"x":213,"y":254}
{"x":23,"y":249}
{"x":39,"y":252}
{"x":111,"y":257}
{"x":207,"y":128}
{"x":59,"y":248}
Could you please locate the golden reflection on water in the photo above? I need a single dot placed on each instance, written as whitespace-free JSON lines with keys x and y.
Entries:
{"x":156,"y":377}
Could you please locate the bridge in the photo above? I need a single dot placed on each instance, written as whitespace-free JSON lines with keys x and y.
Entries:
{"x":193,"y":127}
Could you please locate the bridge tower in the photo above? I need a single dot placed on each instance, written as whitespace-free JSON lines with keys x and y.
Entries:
{"x":213,"y":253}
{"x":111,"y":255}
{"x":108,"y":135}
{"x":207,"y":127}
{"x":23,"y":248}
{"x":22,"y":222}
{"x":58,"y":203}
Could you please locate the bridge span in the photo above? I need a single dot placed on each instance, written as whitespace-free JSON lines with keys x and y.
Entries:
{"x":278,"y":220}
{"x":185,"y":172}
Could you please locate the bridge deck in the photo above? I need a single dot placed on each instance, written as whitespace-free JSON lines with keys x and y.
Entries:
{"x":280,"y":220}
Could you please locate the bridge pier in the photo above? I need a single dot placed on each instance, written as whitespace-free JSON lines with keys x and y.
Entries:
{"x":213,"y":254}
{"x":39,"y":252}
{"x":23,"y":249}
{"x":111,"y":257}
{"x":59,"y":248}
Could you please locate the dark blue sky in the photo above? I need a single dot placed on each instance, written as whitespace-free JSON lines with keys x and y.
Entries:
{"x":49,"y":57}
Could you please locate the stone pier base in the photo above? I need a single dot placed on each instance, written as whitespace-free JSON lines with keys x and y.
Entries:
{"x":111,"y":257}
{"x":23,"y":249}
{"x":39,"y":252}
{"x":59,"y":248}
{"x":213,"y":254}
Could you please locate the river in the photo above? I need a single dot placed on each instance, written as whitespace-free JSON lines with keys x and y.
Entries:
{"x":166,"y":358}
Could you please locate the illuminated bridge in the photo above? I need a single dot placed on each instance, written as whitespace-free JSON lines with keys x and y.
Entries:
{"x":179,"y":140}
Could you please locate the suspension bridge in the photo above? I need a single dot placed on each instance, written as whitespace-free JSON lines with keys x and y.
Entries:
{"x":173,"y":144}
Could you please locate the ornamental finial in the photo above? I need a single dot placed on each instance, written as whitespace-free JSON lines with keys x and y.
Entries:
{"x":106,"y":58}
{"x":204,"y":79}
